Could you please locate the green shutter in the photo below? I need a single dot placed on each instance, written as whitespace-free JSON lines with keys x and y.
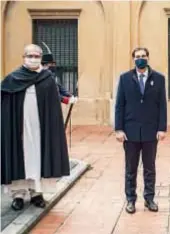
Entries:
{"x":61,"y":37}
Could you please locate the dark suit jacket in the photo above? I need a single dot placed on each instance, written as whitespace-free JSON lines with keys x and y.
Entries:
{"x":141,"y":116}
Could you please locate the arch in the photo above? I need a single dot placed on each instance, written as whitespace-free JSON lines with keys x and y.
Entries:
{"x":140,"y":9}
{"x":100,"y":3}
{"x":4,"y":6}
{"x":103,"y":65}
{"x":4,"y":10}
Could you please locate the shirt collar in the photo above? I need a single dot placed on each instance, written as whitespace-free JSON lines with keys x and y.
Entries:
{"x":145,"y":73}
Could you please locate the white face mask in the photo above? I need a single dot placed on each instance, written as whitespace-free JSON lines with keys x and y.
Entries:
{"x":32,"y":62}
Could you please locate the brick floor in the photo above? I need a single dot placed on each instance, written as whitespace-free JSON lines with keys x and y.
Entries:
{"x":95,"y":205}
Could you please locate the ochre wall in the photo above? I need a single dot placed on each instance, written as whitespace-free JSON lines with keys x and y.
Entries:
{"x":107,"y":33}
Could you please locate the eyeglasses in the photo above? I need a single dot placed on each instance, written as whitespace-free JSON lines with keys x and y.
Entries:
{"x":141,"y":56}
{"x":32,"y":56}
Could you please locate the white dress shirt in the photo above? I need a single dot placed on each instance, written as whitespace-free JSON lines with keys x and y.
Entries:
{"x":145,"y":75}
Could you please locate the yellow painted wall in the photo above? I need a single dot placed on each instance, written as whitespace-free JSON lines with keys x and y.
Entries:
{"x":107,"y":33}
{"x":154,"y":35}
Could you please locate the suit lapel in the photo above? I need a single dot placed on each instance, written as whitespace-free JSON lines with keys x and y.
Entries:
{"x":148,"y":82}
{"x":135,"y":79}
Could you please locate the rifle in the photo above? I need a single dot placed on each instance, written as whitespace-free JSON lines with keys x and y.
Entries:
{"x":75,"y":93}
{"x":69,"y":113}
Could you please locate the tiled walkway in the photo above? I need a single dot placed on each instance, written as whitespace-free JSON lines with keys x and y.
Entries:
{"x":95,"y":205}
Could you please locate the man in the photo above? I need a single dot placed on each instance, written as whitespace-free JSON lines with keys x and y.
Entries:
{"x":140,"y":122}
{"x":49,"y":63}
{"x":33,"y":138}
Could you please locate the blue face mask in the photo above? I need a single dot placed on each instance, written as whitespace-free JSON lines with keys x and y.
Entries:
{"x":141,"y":63}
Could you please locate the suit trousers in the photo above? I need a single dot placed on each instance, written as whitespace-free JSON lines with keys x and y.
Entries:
{"x":148,"y":152}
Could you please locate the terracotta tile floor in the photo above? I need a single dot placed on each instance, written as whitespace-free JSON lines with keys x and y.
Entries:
{"x":95,"y":205}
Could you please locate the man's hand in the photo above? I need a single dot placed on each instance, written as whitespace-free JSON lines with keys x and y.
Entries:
{"x":121,"y":136}
{"x":73,"y":100}
{"x":161,"y":136}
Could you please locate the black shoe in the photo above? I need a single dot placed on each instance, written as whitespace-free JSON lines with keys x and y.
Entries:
{"x":17,"y":204}
{"x":38,"y":201}
{"x":151,"y":205}
{"x":130,"y":208}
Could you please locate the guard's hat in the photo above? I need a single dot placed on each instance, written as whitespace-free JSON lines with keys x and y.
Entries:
{"x":47,"y":58}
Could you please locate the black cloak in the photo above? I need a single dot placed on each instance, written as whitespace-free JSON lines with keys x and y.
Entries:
{"x":54,"y":152}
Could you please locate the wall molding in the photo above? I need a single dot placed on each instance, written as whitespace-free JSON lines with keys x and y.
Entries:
{"x":167,"y":11}
{"x":54,"y":13}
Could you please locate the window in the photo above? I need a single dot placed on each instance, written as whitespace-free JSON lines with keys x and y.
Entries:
{"x":61,"y":36}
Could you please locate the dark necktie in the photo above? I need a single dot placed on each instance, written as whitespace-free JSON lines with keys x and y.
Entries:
{"x":141,"y":83}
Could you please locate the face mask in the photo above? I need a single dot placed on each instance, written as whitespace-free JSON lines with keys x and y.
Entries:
{"x":32,"y":62}
{"x":52,"y":69}
{"x":141,"y":63}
